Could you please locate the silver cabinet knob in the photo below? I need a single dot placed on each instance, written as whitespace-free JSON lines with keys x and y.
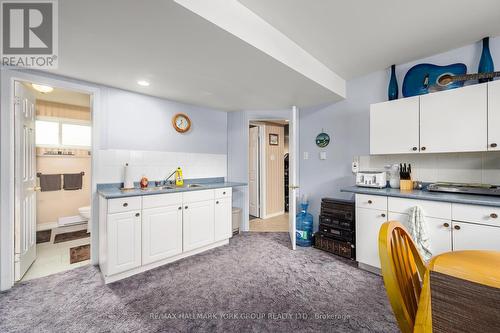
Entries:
{"x":137,"y":214}
{"x":493,"y":215}
{"x":383,"y":215}
{"x":493,"y":145}
{"x":446,"y":225}
{"x":423,"y":148}
{"x":125,"y":204}
{"x":457,"y":227}
{"x":414,"y":149}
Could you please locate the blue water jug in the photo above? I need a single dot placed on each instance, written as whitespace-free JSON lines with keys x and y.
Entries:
{"x":304,"y":230}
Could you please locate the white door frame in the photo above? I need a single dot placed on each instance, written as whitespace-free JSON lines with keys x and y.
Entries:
{"x":258,"y":171}
{"x":7,"y":153}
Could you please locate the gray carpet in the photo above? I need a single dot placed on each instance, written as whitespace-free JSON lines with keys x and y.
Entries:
{"x":255,"y":284}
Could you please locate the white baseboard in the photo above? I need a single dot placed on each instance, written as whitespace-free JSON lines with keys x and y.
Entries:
{"x":46,"y":226}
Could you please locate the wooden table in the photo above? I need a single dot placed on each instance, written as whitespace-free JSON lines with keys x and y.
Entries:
{"x":463,"y":288}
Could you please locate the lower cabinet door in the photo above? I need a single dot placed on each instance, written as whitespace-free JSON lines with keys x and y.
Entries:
{"x":198,"y":224}
{"x":223,"y":229}
{"x":368,"y":223}
{"x":439,"y":231}
{"x":468,"y":236}
{"x":124,"y":241}
{"x":161,"y":233}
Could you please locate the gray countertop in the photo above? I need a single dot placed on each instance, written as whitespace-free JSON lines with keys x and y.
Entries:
{"x":112,"y":191}
{"x":471,"y":199}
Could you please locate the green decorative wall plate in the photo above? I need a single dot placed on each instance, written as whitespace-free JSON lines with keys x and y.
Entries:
{"x":322,"y":140}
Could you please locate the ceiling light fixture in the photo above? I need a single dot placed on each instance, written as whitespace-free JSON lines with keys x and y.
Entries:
{"x":143,"y":83}
{"x":41,"y":88}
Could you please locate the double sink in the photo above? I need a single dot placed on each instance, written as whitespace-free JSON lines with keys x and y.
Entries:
{"x":168,"y":187}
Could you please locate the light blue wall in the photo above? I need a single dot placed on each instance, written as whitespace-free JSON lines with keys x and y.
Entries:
{"x":347,"y":122}
{"x":140,"y":122}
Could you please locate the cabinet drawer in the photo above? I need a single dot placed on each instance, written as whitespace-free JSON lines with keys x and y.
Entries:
{"x":476,"y":214}
{"x":371,"y":201}
{"x":223,"y":192}
{"x":161,"y":200}
{"x":436,"y":209}
{"x":124,"y":204}
{"x":198,"y":196}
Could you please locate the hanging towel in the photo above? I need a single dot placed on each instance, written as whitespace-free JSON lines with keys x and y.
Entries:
{"x":72,"y":181}
{"x":50,"y":182}
{"x":419,"y":233}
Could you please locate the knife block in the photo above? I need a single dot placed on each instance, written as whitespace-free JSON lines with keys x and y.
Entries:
{"x":406,"y":185}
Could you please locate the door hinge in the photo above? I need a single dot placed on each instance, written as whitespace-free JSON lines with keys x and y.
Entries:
{"x":17,"y":100}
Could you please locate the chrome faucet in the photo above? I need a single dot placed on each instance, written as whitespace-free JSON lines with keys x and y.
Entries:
{"x":166,"y":179}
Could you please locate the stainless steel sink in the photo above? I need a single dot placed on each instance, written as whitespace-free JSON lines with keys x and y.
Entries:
{"x":157,"y":188}
{"x":193,"y":185}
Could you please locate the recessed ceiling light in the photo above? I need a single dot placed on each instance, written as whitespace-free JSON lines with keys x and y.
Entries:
{"x":143,"y":83}
{"x":41,"y":88}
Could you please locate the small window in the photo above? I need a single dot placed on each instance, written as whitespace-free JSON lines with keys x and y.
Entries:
{"x":47,"y":133}
{"x":76,"y":135}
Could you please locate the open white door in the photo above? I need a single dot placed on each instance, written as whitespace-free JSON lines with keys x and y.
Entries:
{"x":25,"y":180}
{"x":253,"y":171}
{"x":293,"y":179}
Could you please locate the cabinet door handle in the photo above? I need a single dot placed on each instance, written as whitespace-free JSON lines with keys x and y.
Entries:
{"x":125,"y":204}
{"x":493,"y":215}
{"x":493,"y":145}
{"x":383,"y":215}
{"x":180,"y":208}
{"x":457,"y":227}
{"x":137,"y":214}
{"x":446,"y":225}
{"x":185,"y":207}
{"x":217,"y":202}
{"x":370,"y":202}
{"x":423,"y":148}
{"x":223,"y":193}
{"x":414,"y":149}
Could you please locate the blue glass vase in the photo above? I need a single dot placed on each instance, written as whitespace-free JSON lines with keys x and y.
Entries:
{"x":486,"y":62}
{"x":393,"y":84}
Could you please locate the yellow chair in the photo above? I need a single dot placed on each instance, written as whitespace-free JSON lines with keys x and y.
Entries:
{"x":403,"y":270}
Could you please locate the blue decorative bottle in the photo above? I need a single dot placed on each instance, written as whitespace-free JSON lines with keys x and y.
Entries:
{"x":393,"y":84}
{"x":486,"y":62}
{"x":304,"y":230}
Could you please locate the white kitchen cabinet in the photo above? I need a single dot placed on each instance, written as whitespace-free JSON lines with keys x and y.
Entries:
{"x":198,"y":224}
{"x":368,"y":223}
{"x":123,"y":241}
{"x":469,"y":236}
{"x":494,"y":115}
{"x":394,"y":127}
{"x":161,"y":233}
{"x":454,"y":120}
{"x":439,"y":231}
{"x":222,"y":222}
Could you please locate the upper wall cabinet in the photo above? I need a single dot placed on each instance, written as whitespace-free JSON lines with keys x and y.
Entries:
{"x":394,"y":127}
{"x":459,"y":120}
{"x":494,"y":115}
{"x":454,"y":120}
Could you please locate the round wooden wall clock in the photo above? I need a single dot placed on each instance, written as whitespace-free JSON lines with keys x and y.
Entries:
{"x":181,"y":122}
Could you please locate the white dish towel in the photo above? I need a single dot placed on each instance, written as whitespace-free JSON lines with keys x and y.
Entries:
{"x":419,"y":233}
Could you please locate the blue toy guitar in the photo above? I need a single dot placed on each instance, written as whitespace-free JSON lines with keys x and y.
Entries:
{"x":425,"y":78}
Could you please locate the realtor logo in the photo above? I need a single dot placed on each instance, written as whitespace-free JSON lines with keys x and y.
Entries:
{"x":29,"y":33}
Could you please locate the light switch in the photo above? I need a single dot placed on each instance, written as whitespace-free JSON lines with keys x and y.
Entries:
{"x":306,"y":155}
{"x":322,"y":155}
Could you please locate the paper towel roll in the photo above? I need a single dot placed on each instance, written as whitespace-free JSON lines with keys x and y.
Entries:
{"x":128,"y":181}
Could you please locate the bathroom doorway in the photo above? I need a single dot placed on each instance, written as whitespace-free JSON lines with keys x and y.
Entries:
{"x":53,"y":167}
{"x":268,"y":175}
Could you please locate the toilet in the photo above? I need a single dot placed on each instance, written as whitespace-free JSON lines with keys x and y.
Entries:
{"x":85,"y":212}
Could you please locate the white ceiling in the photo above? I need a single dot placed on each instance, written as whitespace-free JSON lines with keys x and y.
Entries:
{"x":185,"y":57}
{"x":356,"y":37}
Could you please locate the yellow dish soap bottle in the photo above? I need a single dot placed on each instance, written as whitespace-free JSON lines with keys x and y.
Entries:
{"x":179,"y":181}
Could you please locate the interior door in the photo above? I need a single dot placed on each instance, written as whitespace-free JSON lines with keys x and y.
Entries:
{"x":293,"y":179}
{"x":253,"y":171}
{"x":25,"y":180}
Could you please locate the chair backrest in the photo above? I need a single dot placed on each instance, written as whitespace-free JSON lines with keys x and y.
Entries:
{"x":403,"y":270}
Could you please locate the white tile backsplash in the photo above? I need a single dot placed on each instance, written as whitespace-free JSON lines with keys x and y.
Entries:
{"x":157,"y":165}
{"x":460,"y":167}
